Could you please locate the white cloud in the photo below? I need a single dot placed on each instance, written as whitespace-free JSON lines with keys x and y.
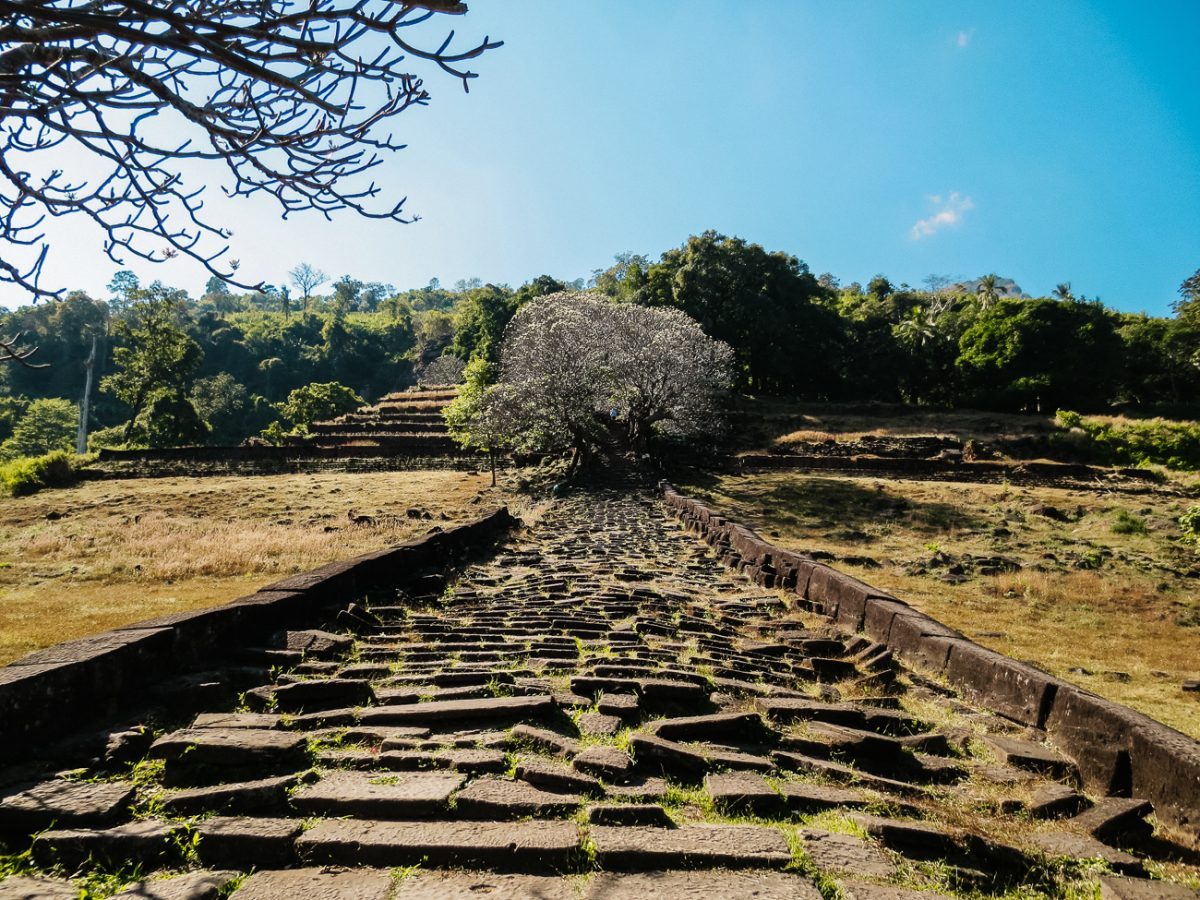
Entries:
{"x":964,"y":37}
{"x":949,"y":214}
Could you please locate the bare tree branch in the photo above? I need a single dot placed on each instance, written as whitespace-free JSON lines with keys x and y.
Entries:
{"x":9,"y":352}
{"x":294,"y":97}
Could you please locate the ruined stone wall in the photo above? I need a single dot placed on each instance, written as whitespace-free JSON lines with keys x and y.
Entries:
{"x":52,"y":692}
{"x":1119,"y":751}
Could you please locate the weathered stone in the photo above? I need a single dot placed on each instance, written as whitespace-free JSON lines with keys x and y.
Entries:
{"x":803,"y":796}
{"x":148,"y":842}
{"x":453,"y":885}
{"x":208,"y":755}
{"x":630,"y":814}
{"x":744,"y":793}
{"x":24,"y":888}
{"x":1114,"y":887}
{"x":497,"y":798}
{"x":603,"y":762}
{"x":236,"y":720}
{"x":64,"y":804}
{"x":835,"y":771}
{"x":599,"y":725}
{"x":1115,"y":817}
{"x":510,"y":709}
{"x":559,"y":779}
{"x":243,"y":842}
{"x":788,"y":709}
{"x":379,"y":795}
{"x":692,"y":760}
{"x":624,"y":706}
{"x":860,"y":890}
{"x":911,"y":838}
{"x":649,"y":790}
{"x":691,"y":846}
{"x":1077,"y":846}
{"x":192,"y":886}
{"x":319,"y":644}
{"x":469,"y":761}
{"x":360,"y":884}
{"x":245,"y":796}
{"x":726,"y":728}
{"x":1027,"y":755}
{"x":844,"y":853}
{"x":701,"y":886}
{"x":313,"y":694}
{"x":1053,"y":801}
{"x":545,"y":740}
{"x":528,"y":846}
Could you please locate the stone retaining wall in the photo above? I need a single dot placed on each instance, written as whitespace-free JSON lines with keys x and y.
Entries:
{"x":1119,"y":751}
{"x":52,"y":692}
{"x":942,"y":468}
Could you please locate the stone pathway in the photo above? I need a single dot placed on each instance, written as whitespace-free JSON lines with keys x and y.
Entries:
{"x":599,"y":712}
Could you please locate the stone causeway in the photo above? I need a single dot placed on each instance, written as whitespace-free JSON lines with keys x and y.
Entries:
{"x":629,"y":698}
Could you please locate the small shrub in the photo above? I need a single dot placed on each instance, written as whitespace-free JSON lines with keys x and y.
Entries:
{"x":1175,"y":445}
{"x":1189,"y":524}
{"x":31,"y":474}
{"x":1128,"y":523}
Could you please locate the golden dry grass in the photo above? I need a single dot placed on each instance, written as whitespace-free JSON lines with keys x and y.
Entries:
{"x":1137,"y":616}
{"x":123,"y":551}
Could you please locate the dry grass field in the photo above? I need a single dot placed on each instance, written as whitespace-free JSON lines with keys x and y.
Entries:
{"x":79,"y":560}
{"x":1105,"y":594}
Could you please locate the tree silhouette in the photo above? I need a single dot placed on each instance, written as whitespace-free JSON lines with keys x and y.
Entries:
{"x":294,"y":97}
{"x":1062,"y":291}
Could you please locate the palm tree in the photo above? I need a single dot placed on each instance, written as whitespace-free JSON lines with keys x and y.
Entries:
{"x":987,"y":293}
{"x":1063,"y":291}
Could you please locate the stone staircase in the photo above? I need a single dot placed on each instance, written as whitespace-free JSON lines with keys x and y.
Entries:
{"x":602,"y":711}
{"x":407,"y":422}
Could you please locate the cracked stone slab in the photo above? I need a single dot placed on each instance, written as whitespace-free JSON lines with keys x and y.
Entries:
{"x":738,"y":846}
{"x":65,"y":804}
{"x":534,"y":847}
{"x":380,"y":795}
{"x":701,"y":886}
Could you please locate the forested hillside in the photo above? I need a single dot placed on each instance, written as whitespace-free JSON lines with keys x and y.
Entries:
{"x":173,"y":368}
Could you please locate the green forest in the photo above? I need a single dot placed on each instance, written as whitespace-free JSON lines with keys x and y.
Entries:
{"x":172,"y":368}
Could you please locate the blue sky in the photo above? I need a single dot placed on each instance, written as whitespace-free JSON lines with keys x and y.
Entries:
{"x":1046,"y":142}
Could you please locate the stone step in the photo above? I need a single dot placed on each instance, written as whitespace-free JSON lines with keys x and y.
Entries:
{"x":530,"y":847}
{"x":691,"y":846}
{"x":379,"y":795}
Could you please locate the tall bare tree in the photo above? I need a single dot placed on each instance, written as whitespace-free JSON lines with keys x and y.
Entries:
{"x":307,"y":279}
{"x":294,"y":97}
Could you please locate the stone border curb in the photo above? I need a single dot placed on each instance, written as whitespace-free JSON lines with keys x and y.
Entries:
{"x":51,"y":692}
{"x":1119,"y":750}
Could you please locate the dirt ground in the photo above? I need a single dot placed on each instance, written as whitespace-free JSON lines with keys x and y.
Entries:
{"x":79,"y":560}
{"x":1094,"y":587}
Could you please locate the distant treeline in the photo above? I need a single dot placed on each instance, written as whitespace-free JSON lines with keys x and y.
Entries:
{"x":231,"y":360}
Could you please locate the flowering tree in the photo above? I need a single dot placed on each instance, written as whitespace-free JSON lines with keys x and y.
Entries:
{"x":577,"y":371}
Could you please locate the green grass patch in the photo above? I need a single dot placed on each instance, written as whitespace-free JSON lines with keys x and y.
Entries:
{"x":30,"y":474}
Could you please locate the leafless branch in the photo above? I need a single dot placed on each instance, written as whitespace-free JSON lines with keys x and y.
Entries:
{"x":294,"y":97}
{"x":9,"y":352}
